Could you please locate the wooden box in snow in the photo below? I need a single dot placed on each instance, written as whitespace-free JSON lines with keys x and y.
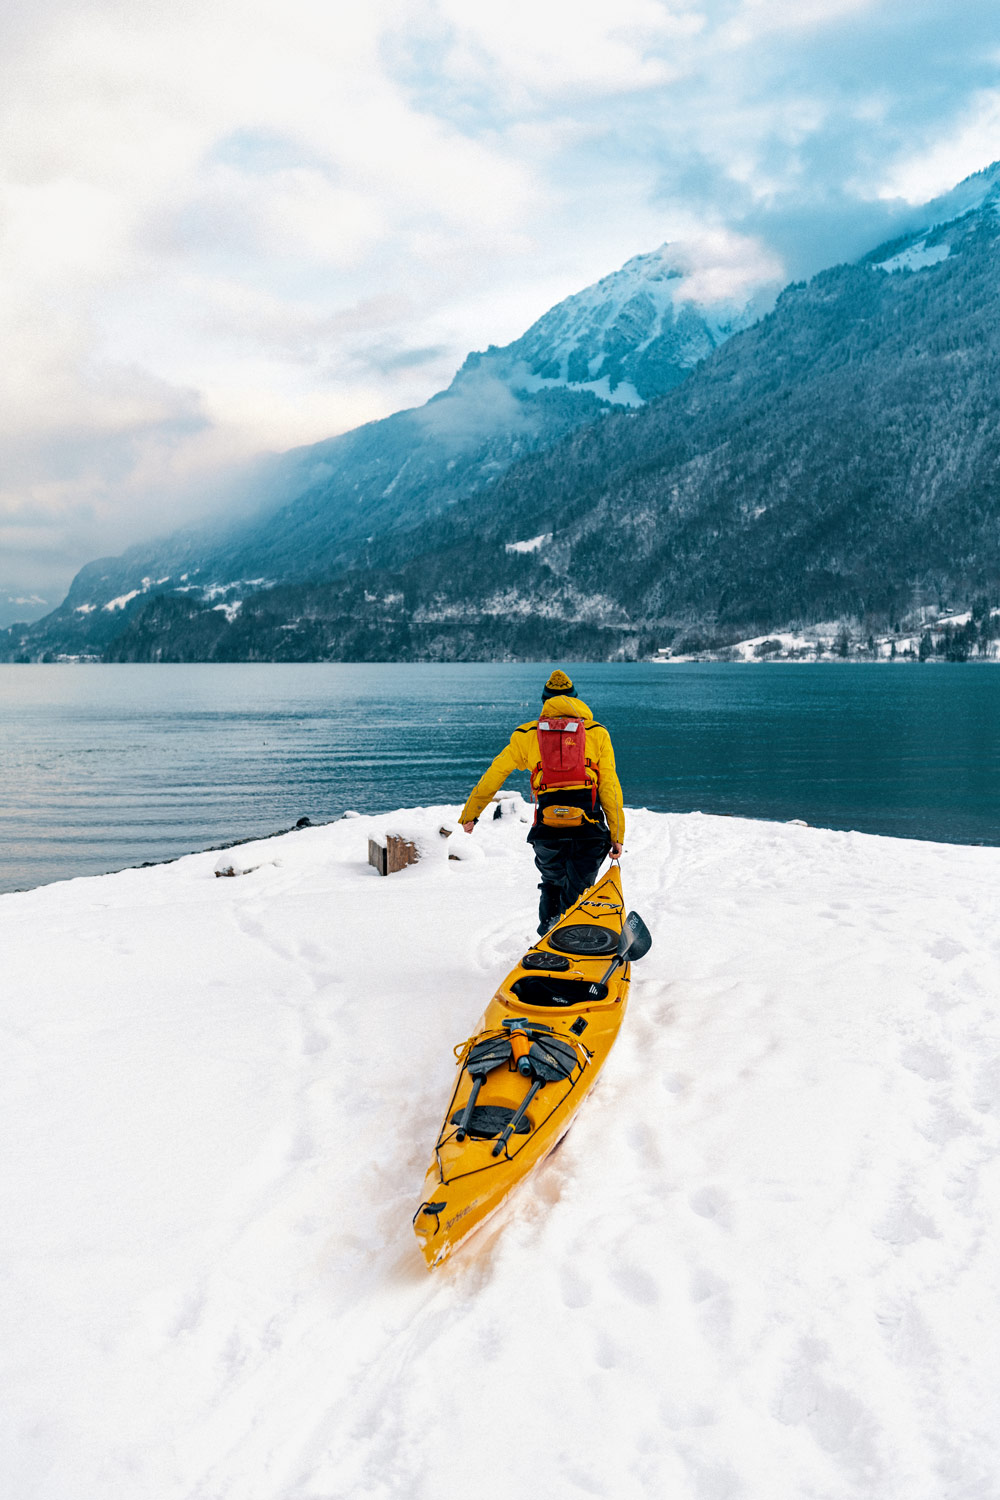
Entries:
{"x":391,"y":854}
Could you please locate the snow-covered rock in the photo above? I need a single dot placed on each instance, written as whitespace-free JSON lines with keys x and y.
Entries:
{"x":244,"y":859}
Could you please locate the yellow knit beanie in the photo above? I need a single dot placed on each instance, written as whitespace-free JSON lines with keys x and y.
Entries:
{"x":558,"y":686}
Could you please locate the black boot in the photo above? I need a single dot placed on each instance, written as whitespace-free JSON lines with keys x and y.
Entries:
{"x":550,"y":906}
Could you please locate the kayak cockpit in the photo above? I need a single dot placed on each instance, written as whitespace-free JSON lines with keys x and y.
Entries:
{"x":552,"y":989}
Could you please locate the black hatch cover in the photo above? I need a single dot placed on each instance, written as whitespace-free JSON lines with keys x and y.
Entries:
{"x":584,"y":939}
{"x":538,"y":960}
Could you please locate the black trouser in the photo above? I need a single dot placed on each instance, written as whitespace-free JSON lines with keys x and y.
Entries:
{"x":568,"y":864}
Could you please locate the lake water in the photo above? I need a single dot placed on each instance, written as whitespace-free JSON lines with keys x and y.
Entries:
{"x":107,"y":766}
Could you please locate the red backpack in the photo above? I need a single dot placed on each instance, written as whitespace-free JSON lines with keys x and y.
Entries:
{"x":562,"y":745}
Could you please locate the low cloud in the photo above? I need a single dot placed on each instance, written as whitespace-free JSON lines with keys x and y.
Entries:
{"x":477,"y":405}
{"x":723,"y":267}
{"x":387,"y":359}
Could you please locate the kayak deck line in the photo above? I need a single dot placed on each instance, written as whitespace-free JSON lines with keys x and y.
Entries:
{"x":526,"y":1069}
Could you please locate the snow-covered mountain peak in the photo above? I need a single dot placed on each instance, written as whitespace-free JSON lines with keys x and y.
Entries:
{"x":651,"y":272}
{"x":630,"y":336}
{"x":979,"y":191}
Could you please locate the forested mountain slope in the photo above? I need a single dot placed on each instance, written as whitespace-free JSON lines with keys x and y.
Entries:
{"x":633,"y":335}
{"x":840,"y":458}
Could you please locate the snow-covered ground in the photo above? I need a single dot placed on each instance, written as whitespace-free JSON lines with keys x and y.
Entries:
{"x":831,"y":640}
{"x":762,"y":1266}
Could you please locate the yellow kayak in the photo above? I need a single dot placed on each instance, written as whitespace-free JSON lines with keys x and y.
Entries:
{"x":530,"y":1064}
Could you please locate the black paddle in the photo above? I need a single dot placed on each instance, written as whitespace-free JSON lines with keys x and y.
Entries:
{"x":482,"y":1059}
{"x":634,"y":943}
{"x":548,"y":1060}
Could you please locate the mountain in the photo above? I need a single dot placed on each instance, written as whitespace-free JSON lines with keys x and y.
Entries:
{"x":837,"y":460}
{"x":632,"y":336}
{"x":629,"y":338}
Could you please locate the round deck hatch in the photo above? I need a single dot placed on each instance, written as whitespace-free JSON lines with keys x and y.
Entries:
{"x":584,"y":940}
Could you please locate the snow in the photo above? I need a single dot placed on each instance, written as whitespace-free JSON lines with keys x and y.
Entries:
{"x":210,"y":591}
{"x":623,"y":393}
{"x":781,"y":645}
{"x":980,"y":190}
{"x":762,"y":1264}
{"x":530,"y":546}
{"x":651,"y":295}
{"x":654,"y":276}
{"x":789,"y":641}
{"x":230,"y":610}
{"x":122,"y":599}
{"x":243,"y":860}
{"x":915,"y":258}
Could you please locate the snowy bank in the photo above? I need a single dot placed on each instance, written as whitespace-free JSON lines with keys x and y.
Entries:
{"x":763,"y":1264}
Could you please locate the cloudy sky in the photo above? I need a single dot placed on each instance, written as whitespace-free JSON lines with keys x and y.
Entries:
{"x":229,"y":226}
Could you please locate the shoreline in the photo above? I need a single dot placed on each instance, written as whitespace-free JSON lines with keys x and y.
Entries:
{"x":823,"y":660}
{"x":397,"y":813}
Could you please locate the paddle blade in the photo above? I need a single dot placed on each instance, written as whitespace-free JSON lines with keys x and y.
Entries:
{"x":487,"y":1055}
{"x":635,"y":941}
{"x":552,"y":1059}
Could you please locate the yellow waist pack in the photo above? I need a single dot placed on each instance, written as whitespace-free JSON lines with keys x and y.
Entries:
{"x":562,"y":817}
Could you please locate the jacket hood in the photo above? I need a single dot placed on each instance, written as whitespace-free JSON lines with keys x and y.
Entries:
{"x":566,"y":708}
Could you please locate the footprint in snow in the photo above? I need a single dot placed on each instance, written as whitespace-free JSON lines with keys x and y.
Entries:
{"x":637,"y":1285}
{"x":947,"y":1124}
{"x":679,"y":1411}
{"x":503,"y":946}
{"x":909,"y":1339}
{"x":945,"y":949}
{"x":490,"y":1341}
{"x":834,"y":1418}
{"x":301,"y":1147}
{"x":675,"y":1083}
{"x":715,"y":1306}
{"x":705,"y":1284}
{"x":325,"y":979}
{"x":314,"y":1042}
{"x":313,"y":952}
{"x":607,"y":1354}
{"x":187,"y":1315}
{"x":713,"y":1479}
{"x":986,"y":1090}
{"x":711,"y":1203}
{"x":904,"y":1224}
{"x":645,"y":1145}
{"x":926,"y":1061}
{"x":576,"y":1289}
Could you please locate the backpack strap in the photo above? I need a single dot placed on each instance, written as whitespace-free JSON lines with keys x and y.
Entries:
{"x":590,"y":766}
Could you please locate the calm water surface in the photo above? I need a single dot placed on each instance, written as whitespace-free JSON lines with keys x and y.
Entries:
{"x":107,"y":766}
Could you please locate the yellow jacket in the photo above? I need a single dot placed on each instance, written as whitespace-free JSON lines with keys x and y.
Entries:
{"x":523,"y":754}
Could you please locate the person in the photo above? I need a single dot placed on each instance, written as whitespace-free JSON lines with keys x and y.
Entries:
{"x":579,"y":817}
